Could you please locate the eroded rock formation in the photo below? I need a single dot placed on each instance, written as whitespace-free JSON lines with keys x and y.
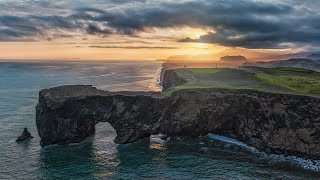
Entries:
{"x":171,"y":79}
{"x":276,"y":123}
{"x":26,"y":135}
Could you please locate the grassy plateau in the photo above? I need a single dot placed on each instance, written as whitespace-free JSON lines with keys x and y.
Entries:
{"x":276,"y":80}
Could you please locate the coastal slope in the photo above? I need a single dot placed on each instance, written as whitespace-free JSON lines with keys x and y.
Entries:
{"x":275,"y":123}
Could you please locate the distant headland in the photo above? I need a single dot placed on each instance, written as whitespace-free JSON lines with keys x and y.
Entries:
{"x":233,"y":59}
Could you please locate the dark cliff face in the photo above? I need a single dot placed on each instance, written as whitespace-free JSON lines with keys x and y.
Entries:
{"x":68,"y":114}
{"x":171,"y":79}
{"x":274,"y":123}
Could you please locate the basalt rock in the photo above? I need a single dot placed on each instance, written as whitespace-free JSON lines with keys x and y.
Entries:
{"x":26,"y":135}
{"x":171,"y":79}
{"x":276,"y":123}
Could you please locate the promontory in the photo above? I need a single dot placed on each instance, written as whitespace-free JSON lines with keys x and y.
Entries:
{"x":274,"y":122}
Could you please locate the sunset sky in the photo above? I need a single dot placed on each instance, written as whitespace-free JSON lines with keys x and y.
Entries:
{"x":156,"y":29}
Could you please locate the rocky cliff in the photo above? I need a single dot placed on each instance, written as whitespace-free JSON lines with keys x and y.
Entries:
{"x":68,"y":114}
{"x":275,"y":123}
{"x":171,"y":79}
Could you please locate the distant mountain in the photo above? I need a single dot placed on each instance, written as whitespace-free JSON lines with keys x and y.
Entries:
{"x":232,"y":59}
{"x":300,"y":55}
{"x":295,"y":63}
{"x":315,"y":56}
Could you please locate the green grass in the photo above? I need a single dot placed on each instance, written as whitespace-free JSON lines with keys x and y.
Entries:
{"x":290,"y":80}
{"x":203,"y":85}
{"x":204,"y":70}
{"x":194,"y":86}
{"x":168,"y":93}
{"x":295,"y":70}
{"x":298,"y":84}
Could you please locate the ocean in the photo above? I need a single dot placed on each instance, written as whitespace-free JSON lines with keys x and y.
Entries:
{"x":209,"y":157}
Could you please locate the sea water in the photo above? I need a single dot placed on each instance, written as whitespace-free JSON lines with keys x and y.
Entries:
{"x":99,"y":157}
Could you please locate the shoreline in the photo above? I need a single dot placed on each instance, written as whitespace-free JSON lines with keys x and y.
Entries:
{"x":308,"y":164}
{"x":159,"y":77}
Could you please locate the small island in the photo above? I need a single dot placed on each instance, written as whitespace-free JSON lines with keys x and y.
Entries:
{"x":233,"y":59}
{"x":275,"y":110}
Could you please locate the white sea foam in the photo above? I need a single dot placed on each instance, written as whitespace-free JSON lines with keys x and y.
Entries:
{"x":158,"y":78}
{"x":158,"y":138}
{"x":313,"y":165}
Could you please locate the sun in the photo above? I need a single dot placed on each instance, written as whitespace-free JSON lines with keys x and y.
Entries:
{"x":196,"y":33}
{"x":200,"y":45}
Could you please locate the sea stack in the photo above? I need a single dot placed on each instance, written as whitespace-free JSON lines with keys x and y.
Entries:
{"x":26,"y":135}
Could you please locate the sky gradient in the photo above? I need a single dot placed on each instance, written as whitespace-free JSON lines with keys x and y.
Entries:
{"x":153,"y":29}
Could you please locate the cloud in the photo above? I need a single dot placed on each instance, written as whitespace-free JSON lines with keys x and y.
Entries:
{"x":242,"y":23}
{"x":134,"y":47}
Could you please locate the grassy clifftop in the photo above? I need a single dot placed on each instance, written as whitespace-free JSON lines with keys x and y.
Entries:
{"x":277,"y":80}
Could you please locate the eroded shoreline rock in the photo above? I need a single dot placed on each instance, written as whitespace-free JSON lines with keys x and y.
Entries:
{"x":274,"y":123}
{"x":26,"y":135}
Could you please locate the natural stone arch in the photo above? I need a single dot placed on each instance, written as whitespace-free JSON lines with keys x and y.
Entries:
{"x":69,"y":114}
{"x":277,"y":123}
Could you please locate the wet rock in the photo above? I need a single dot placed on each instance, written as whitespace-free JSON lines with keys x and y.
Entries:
{"x":26,"y":135}
{"x":203,"y":150}
{"x":164,"y":137}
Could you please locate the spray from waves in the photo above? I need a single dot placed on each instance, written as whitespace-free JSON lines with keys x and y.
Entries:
{"x":158,"y":77}
{"x":313,"y":165}
{"x":159,"y":138}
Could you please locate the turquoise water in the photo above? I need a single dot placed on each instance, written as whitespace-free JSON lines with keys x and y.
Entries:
{"x":212,"y":157}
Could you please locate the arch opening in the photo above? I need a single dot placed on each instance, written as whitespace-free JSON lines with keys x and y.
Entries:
{"x":104,"y":133}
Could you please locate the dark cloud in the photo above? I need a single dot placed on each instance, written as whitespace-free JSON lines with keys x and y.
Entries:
{"x":241,"y":23}
{"x":14,"y":28}
{"x":93,"y":29}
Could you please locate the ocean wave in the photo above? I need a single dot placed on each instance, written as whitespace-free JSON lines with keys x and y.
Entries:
{"x":158,"y":77}
{"x":313,"y":165}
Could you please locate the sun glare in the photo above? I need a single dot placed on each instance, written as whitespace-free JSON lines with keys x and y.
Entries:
{"x":196,"y":33}
{"x":200,"y":45}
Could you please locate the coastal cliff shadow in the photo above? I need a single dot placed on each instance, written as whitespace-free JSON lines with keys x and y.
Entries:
{"x":178,"y":158}
{"x":185,"y":159}
{"x":62,"y":161}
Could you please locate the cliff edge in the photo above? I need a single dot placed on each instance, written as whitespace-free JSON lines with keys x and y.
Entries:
{"x":274,"y":123}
